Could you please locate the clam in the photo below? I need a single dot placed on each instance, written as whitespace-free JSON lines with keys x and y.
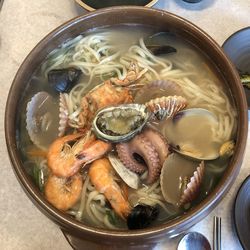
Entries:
{"x":42,"y":119}
{"x":191,"y":132}
{"x":157,"y":89}
{"x":63,"y":80}
{"x":120,"y":123}
{"x":180,"y":179}
{"x":157,"y":44}
{"x":129,"y":177}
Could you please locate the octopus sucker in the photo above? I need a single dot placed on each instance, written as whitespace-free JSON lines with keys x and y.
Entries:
{"x":150,"y":147}
{"x":159,"y":143}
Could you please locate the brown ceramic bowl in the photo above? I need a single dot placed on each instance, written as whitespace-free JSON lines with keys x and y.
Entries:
{"x":86,"y":237}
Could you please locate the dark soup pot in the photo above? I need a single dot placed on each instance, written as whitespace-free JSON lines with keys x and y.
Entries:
{"x":191,"y":65}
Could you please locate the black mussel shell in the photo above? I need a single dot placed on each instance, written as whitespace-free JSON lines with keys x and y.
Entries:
{"x":157,"y":44}
{"x":141,"y":216}
{"x":63,"y":80}
{"x":161,"y":49}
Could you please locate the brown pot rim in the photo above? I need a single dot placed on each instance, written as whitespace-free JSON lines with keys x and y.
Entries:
{"x":200,"y":211}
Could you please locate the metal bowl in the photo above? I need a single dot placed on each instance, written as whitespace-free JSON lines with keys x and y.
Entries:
{"x":80,"y":235}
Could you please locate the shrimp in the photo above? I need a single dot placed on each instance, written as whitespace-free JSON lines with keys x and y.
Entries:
{"x":65,"y":161}
{"x":94,"y":151}
{"x":61,"y":156}
{"x":102,"y":177}
{"x":63,"y":193}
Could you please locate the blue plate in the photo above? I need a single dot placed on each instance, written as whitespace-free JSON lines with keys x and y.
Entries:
{"x":242,"y":213}
{"x":237,"y":47}
{"x":97,"y":4}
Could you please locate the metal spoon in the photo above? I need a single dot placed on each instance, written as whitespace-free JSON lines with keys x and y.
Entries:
{"x":194,"y":240}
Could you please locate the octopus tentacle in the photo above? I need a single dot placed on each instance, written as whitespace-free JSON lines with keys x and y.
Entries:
{"x":159,"y":142}
{"x":142,"y":146}
{"x":125,"y":153}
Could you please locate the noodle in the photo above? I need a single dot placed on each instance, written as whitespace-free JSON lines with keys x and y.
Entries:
{"x":100,"y":58}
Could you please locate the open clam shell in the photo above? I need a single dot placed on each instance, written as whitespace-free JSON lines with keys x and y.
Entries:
{"x":120,"y":123}
{"x":176,"y":173}
{"x":192,"y":133}
{"x":130,"y":178}
{"x":42,"y":119}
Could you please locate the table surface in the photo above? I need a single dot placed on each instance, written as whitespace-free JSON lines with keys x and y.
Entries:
{"x":22,"y":25}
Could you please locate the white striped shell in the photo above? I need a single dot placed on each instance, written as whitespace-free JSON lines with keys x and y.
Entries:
{"x":177,"y":172}
{"x":63,"y":114}
{"x":193,"y":187}
{"x":166,"y":106}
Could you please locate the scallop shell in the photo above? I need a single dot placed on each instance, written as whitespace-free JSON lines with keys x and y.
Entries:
{"x":63,"y":114}
{"x":199,"y":143}
{"x":176,"y":170}
{"x":193,"y":187}
{"x":120,"y":123}
{"x":129,"y":177}
{"x":42,"y":119}
{"x":166,"y":106}
{"x":158,"y":88}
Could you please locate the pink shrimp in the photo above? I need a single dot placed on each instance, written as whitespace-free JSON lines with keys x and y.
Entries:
{"x":103,"y":178}
{"x":63,"y":193}
{"x":65,"y":161}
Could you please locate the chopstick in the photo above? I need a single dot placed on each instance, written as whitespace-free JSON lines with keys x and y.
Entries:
{"x":217,"y":233}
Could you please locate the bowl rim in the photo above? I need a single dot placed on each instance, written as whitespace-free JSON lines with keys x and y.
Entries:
{"x":89,"y":8}
{"x":197,"y":213}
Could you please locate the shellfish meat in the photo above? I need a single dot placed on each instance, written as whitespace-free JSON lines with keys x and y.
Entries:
{"x":120,"y":123}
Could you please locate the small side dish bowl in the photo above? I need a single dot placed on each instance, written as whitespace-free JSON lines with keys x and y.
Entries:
{"x":85,"y":236}
{"x":91,"y":5}
{"x":237,"y":47}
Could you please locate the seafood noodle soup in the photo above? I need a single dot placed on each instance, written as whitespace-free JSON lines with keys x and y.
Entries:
{"x":127,"y":127}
